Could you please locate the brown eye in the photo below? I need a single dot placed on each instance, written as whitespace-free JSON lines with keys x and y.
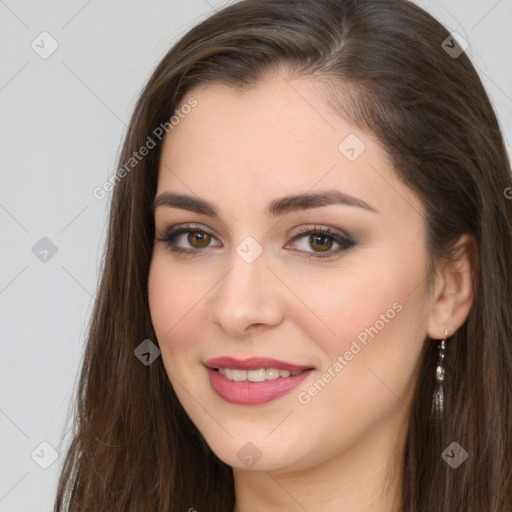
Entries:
{"x":317,"y":242}
{"x":198,"y":239}
{"x":189,"y":240}
{"x":320,"y":243}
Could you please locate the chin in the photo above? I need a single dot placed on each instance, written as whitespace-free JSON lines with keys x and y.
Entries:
{"x":259,"y":455}
{"x":249,"y":459}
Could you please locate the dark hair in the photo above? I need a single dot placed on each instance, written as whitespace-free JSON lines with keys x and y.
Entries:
{"x":134,"y":447}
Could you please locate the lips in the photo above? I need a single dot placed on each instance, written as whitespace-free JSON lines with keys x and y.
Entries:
{"x":232,"y":379}
{"x":253,"y":363}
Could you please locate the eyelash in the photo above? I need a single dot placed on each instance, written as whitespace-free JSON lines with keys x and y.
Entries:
{"x":344,"y":243}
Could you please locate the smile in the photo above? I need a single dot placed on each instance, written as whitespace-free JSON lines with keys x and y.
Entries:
{"x":253,"y":381}
{"x":256,"y":375}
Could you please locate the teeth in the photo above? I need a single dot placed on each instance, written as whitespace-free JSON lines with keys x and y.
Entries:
{"x":271,"y":373}
{"x":259,"y":375}
{"x":239,"y":375}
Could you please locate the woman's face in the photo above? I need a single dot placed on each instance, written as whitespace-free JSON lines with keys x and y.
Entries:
{"x":261,"y":298}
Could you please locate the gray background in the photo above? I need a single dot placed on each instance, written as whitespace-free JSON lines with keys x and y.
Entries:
{"x":63,"y":119}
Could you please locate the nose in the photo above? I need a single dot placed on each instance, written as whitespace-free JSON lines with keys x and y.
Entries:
{"x":248,"y":297}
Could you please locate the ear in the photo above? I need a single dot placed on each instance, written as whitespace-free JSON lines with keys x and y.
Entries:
{"x":453,"y":291}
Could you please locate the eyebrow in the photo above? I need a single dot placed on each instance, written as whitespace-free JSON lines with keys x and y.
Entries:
{"x":276,"y":207}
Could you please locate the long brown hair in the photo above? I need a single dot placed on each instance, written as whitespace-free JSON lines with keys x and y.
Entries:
{"x":133,"y":447}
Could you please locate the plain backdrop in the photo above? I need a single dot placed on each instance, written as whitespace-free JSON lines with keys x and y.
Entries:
{"x":63,"y":118}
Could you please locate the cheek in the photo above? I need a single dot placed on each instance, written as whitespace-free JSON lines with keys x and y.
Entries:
{"x":174,"y":300}
{"x":372,"y":319}
{"x":369,"y":363}
{"x":179,"y":302}
{"x":175,"y":293}
{"x":342,"y":308}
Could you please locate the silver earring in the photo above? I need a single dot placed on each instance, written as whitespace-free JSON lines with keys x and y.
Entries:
{"x":438,"y":399}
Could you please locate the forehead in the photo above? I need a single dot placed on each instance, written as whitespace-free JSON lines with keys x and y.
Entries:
{"x":278,"y":137}
{"x":277,"y":121}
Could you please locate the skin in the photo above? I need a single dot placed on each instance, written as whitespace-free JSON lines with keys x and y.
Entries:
{"x":241,"y":150}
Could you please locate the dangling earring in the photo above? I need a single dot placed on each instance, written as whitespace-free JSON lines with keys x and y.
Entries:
{"x":438,"y":399}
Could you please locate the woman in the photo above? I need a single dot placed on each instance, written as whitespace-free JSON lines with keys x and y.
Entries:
{"x":305,"y":303}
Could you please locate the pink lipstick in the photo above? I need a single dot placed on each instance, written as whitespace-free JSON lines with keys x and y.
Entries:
{"x":254,"y":381}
